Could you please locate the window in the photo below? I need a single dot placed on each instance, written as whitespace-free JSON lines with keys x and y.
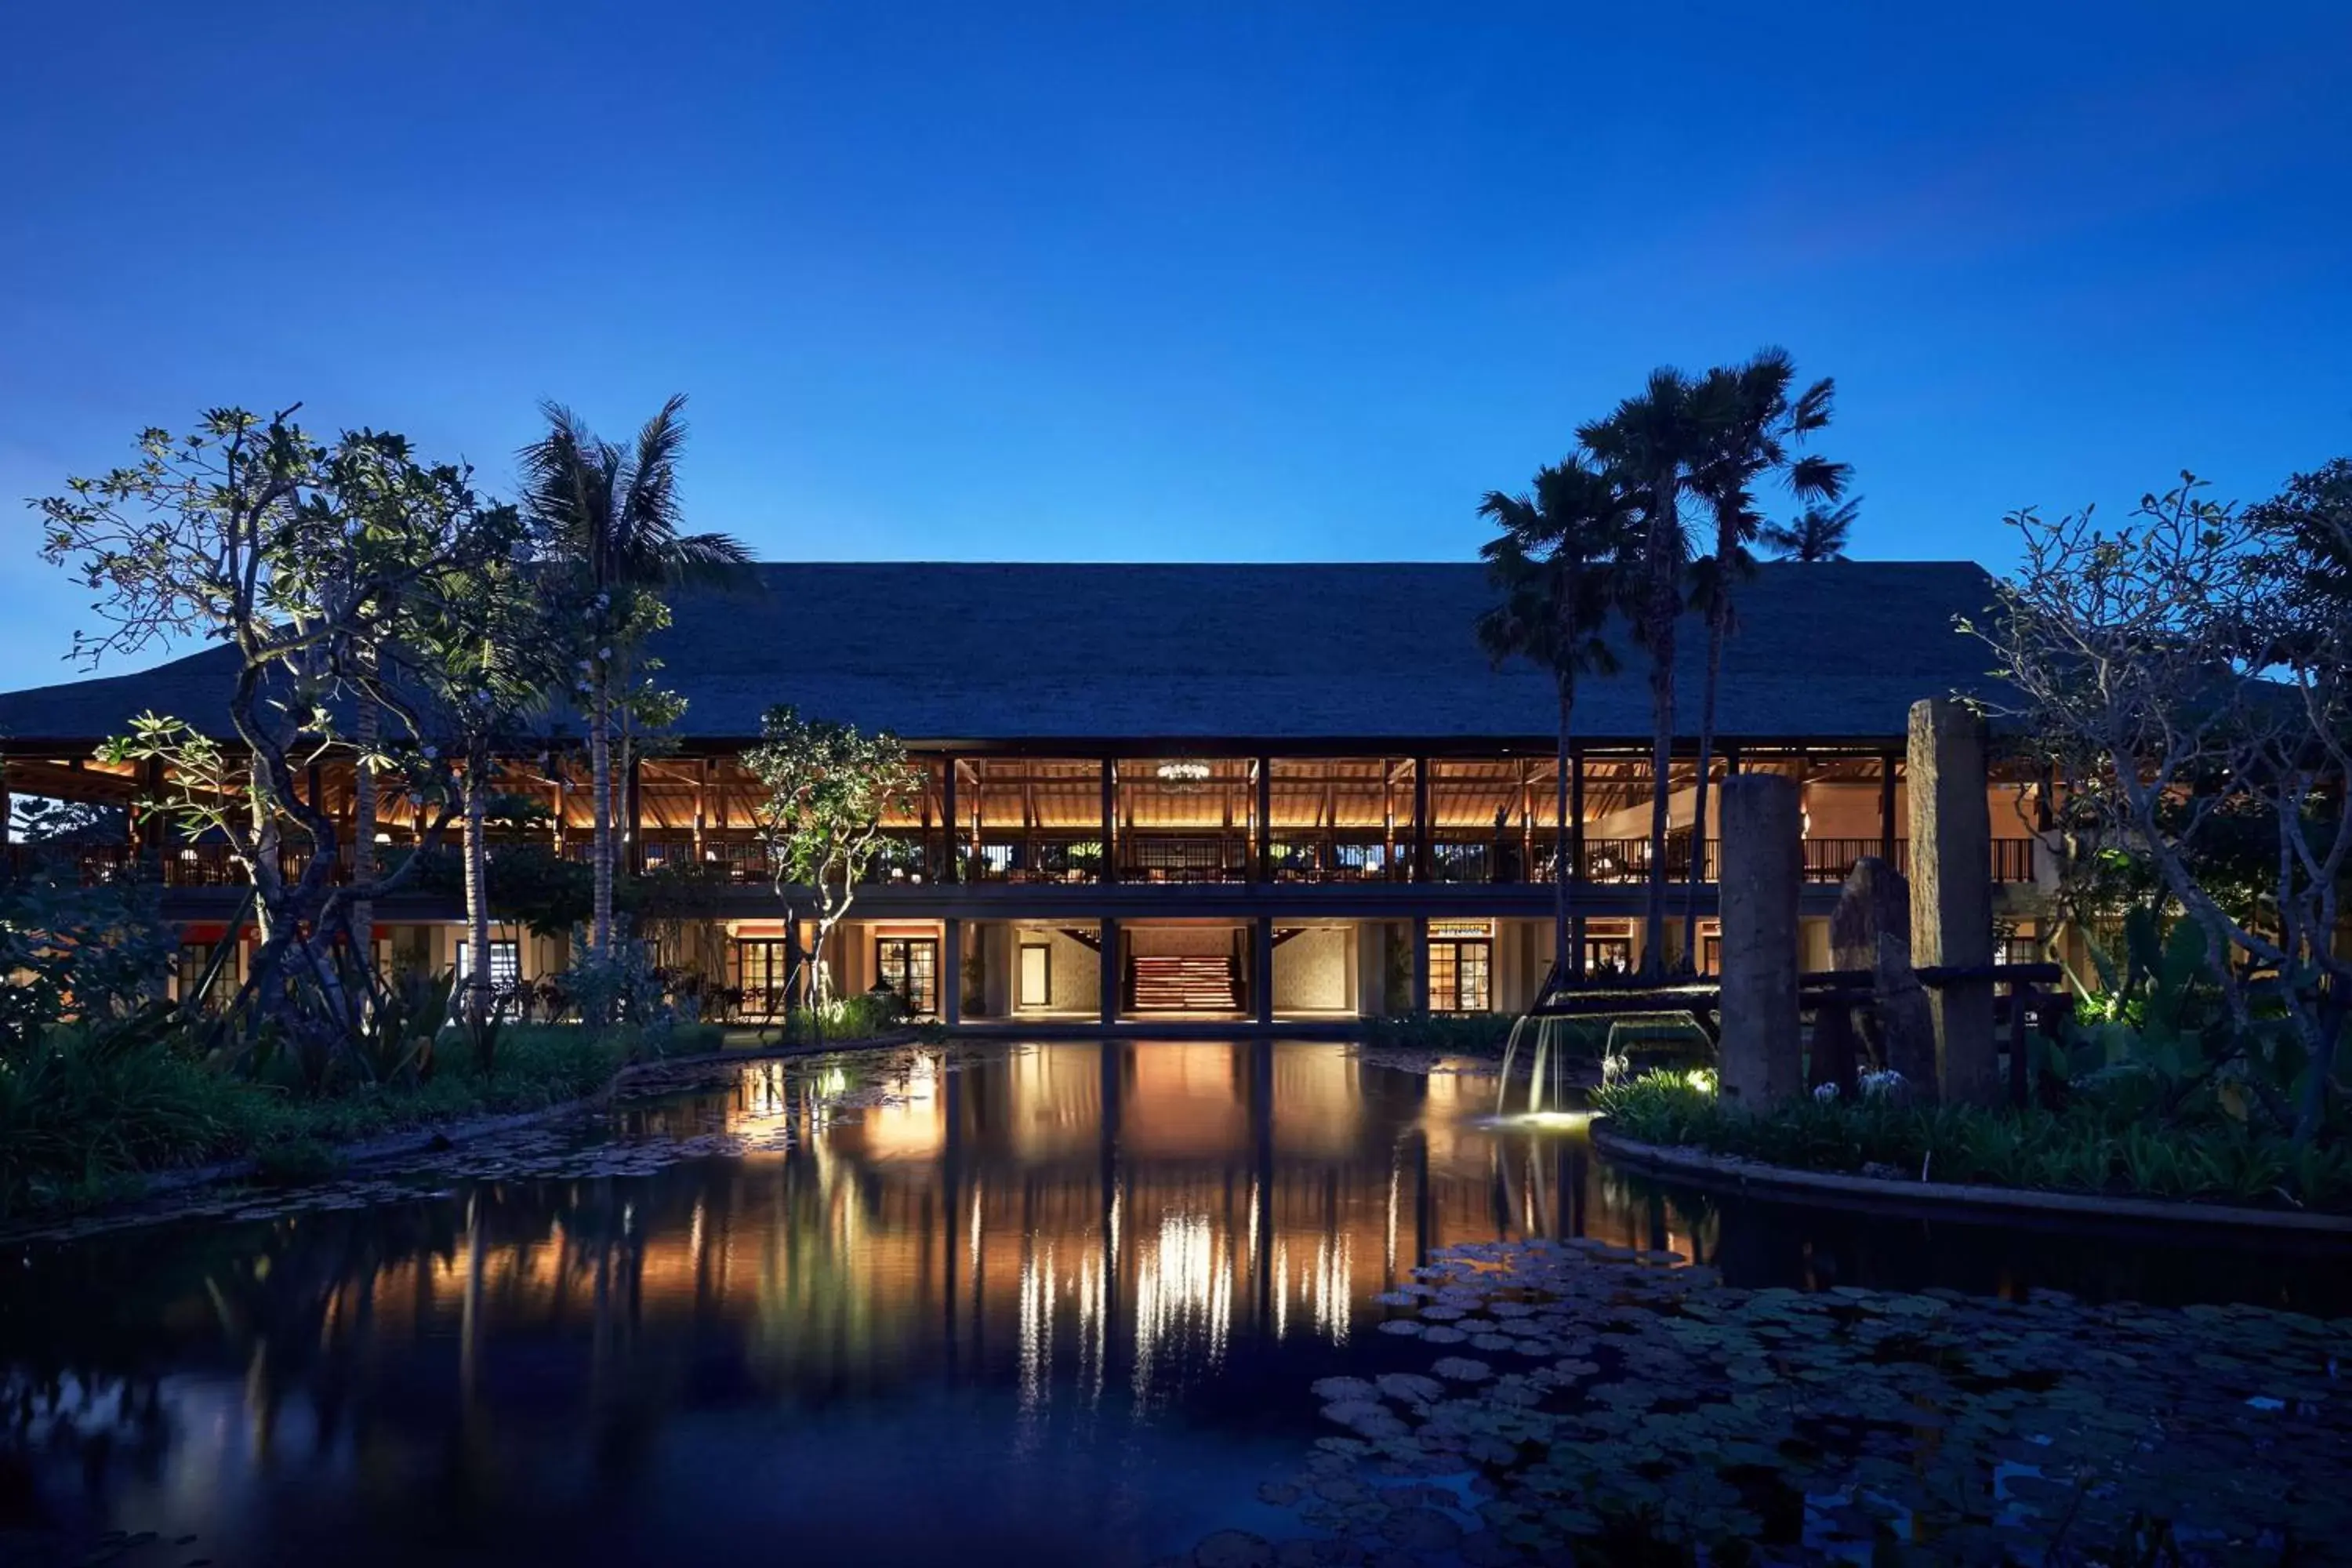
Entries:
{"x":196,"y":957}
{"x":909,"y":965}
{"x":763,"y":973}
{"x":1458,"y":975}
{"x":506,"y":964}
{"x":1608,"y":955}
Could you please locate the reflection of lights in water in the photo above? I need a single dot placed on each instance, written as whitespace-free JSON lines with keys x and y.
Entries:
{"x":1387,"y":1256}
{"x":1543,"y":1120}
{"x":1036,"y":1326}
{"x":1094,"y":1321}
{"x":1335,"y":1268}
{"x":1253,"y":1223}
{"x":923,"y":1077}
{"x":1183,"y":1285}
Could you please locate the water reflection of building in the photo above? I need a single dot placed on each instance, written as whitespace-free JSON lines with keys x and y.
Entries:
{"x":1074,"y":1214}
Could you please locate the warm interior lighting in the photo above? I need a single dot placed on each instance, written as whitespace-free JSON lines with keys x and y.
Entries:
{"x":1185,"y":771}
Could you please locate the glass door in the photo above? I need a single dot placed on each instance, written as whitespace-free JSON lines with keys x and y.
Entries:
{"x":909,"y":965}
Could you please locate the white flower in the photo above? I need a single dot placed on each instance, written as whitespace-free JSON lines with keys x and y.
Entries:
{"x":1874,"y":1084}
{"x":603,"y":653}
{"x":431,"y":753}
{"x":1826,"y":1092}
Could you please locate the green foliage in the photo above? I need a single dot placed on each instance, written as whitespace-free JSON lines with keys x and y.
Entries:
{"x":2091,"y":1146}
{"x":89,"y":1112}
{"x":846,"y":1019}
{"x":623,"y":987}
{"x":66,"y":951}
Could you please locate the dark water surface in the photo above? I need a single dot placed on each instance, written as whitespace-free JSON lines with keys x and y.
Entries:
{"x":1059,"y":1304}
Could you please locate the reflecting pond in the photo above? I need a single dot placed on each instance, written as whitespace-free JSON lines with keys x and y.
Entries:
{"x":1062,"y":1303}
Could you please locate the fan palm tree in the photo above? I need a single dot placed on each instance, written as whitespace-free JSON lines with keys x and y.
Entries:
{"x":1555,"y":565}
{"x":1749,"y":421}
{"x":1815,"y":535}
{"x":611,"y":514}
{"x":1653,"y":444}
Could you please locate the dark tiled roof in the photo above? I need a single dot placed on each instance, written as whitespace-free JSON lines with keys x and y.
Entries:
{"x":968,"y":651}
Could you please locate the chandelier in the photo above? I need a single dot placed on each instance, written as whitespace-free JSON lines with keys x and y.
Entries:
{"x":1183,"y":772}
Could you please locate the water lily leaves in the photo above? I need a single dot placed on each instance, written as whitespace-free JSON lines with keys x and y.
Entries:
{"x":1333,"y":1389}
{"x":1407,"y":1386}
{"x":1462,"y":1369}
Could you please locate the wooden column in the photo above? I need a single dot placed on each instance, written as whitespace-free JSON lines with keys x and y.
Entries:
{"x":1951,"y":892}
{"x":1111,"y":972}
{"x":1421,"y":964}
{"x":951,"y":973}
{"x":1888,"y":762}
{"x":1110,"y":871}
{"x":701,"y":802}
{"x":954,"y":870}
{"x":1573,"y":843}
{"x":1265,"y":819}
{"x":1421,"y":824}
{"x":1762,"y":1052}
{"x":149,"y":829}
{"x":635,"y":815}
{"x":1261,"y":970}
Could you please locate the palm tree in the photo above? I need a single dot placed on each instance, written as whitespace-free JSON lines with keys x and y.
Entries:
{"x":1653,"y":444}
{"x":612,"y":514}
{"x":1749,"y":423}
{"x":1815,"y":535}
{"x":1555,"y":565}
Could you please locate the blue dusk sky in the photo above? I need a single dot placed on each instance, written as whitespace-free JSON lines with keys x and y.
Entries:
{"x":1193,"y":281}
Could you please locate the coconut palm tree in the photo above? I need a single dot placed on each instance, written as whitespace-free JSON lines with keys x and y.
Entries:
{"x":1653,"y":444}
{"x":1750,"y":422}
{"x":1815,"y":535}
{"x":610,"y":513}
{"x":1555,"y":565}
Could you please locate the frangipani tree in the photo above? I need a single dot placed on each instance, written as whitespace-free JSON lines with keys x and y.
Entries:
{"x":306,"y":557}
{"x":825,"y":790}
{"x":2190,"y":674}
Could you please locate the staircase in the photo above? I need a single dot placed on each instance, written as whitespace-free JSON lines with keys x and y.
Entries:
{"x":1185,"y":983}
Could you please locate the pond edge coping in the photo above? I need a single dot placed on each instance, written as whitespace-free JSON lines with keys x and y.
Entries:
{"x":428,"y":1137}
{"x":1731,"y":1168}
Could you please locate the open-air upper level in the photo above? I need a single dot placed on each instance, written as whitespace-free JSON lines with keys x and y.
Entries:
{"x":1308,"y":732}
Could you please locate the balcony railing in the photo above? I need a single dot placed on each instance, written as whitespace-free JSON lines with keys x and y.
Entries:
{"x":1337,"y":857}
{"x":1037,"y":856}
{"x":1185,"y":858}
{"x":914,"y":855}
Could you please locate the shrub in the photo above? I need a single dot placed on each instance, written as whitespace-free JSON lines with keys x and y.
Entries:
{"x":2085,"y":1148}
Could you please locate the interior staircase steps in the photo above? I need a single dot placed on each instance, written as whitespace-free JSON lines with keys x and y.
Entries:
{"x":1186,"y":983}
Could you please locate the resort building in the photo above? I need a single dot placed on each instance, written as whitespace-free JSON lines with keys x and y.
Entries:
{"x":1254,"y":795}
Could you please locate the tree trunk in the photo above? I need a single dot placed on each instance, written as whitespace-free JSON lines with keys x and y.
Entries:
{"x":600,"y":763}
{"x":1664,"y":525}
{"x":366,"y":725}
{"x":1561,"y":870}
{"x":477,"y":892}
{"x":1718,"y":615}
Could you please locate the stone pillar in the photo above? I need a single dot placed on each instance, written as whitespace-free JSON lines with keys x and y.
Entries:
{"x":951,"y":974}
{"x":1763,"y":866}
{"x":1421,"y":964}
{"x":1111,"y":972}
{"x":1262,"y":968}
{"x":1951,"y":892}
